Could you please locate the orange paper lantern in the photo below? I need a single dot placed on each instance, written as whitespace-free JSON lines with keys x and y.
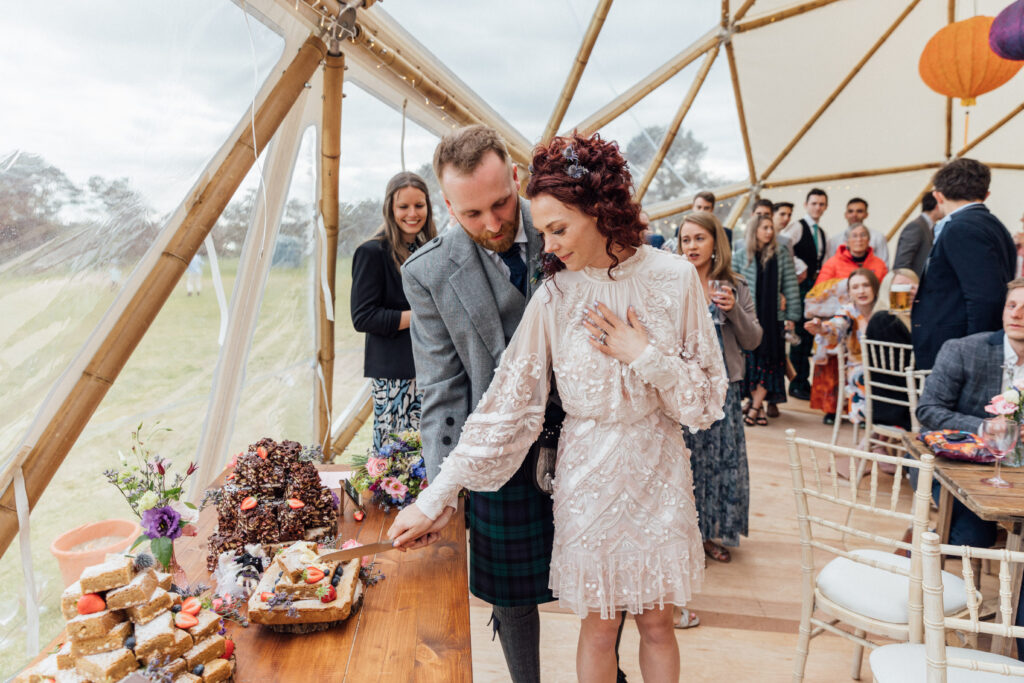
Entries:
{"x":958,"y":62}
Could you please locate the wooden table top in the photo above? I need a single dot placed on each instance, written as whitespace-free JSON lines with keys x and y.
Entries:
{"x":413,"y":626}
{"x":963,"y":480}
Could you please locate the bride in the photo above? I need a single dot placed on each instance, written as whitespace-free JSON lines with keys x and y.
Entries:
{"x":626,"y":332}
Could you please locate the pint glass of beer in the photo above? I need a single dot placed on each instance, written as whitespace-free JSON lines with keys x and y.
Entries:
{"x":899,"y":297}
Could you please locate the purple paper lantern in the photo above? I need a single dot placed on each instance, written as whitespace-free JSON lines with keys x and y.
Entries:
{"x":1006,"y":37}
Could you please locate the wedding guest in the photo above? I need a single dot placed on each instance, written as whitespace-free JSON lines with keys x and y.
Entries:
{"x":916,"y":237}
{"x":856,"y":253}
{"x":971,"y":261}
{"x":847,"y":327}
{"x":380,"y":309}
{"x":702,"y":201}
{"x":893,"y":327}
{"x":718,"y":455}
{"x":762,"y":208}
{"x":625,"y":328}
{"x":768,"y":270}
{"x":782,"y":215}
{"x":856,"y":213}
{"x":808,"y":243}
{"x":468,"y":289}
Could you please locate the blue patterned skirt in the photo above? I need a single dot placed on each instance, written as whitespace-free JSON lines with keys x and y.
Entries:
{"x":721,"y":481}
{"x":396,"y":408}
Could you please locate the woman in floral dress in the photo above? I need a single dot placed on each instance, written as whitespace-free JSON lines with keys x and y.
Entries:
{"x":626,"y":333}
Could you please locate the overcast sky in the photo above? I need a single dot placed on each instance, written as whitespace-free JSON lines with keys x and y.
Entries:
{"x":149,"y":90}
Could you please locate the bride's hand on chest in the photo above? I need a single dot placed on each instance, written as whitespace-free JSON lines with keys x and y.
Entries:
{"x":623,"y":340}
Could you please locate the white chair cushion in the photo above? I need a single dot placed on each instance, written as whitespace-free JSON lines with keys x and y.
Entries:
{"x":905,"y":663}
{"x":879,"y":594}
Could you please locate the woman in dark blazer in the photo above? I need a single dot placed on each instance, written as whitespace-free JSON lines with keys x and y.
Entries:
{"x":379,"y":307}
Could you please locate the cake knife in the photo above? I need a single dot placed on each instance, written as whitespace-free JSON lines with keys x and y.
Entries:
{"x":358,"y":551}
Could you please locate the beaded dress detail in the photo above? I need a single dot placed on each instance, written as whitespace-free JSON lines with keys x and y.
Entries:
{"x":626,"y":534}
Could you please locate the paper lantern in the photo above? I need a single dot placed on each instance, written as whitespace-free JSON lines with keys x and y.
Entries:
{"x":957,"y":61}
{"x":1006,"y":37}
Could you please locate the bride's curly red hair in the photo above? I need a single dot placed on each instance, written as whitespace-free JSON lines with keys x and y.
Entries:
{"x":591,"y":175}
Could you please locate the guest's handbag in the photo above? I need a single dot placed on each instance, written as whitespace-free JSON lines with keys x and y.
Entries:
{"x":957,"y":445}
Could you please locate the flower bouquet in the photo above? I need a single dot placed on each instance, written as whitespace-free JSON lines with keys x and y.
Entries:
{"x":394,"y":474}
{"x":1010,"y":404}
{"x":143,"y":481}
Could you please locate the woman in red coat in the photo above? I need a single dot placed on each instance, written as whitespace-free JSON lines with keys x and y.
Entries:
{"x":856,"y":253}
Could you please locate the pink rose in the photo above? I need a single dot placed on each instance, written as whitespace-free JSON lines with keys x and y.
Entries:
{"x":395,"y":488}
{"x":376,"y":466}
{"x":1000,"y":406}
{"x":353,"y":543}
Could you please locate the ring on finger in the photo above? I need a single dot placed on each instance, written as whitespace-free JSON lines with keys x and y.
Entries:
{"x":603,"y":338}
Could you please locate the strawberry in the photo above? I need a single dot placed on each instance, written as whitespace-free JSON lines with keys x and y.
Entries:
{"x":266,"y":595}
{"x":295,"y":503}
{"x":313,"y":574}
{"x":262,"y":452}
{"x":249,"y":503}
{"x":330,"y":595}
{"x":185,"y":620}
{"x":229,"y":649}
{"x":191,"y":606}
{"x":230,"y":476}
{"x":359,"y":515}
{"x":234,"y":460}
{"x":217,"y":604}
{"x":90,"y":603}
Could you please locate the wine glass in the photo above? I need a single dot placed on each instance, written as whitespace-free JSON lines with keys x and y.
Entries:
{"x":1000,"y":435}
{"x":716,"y":286}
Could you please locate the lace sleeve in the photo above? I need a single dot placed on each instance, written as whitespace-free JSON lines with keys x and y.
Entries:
{"x":506,"y":422}
{"x":691,"y":380}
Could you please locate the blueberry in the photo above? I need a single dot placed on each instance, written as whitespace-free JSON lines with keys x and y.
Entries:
{"x":198,"y":669}
{"x":129,"y":642}
{"x":175,"y":608}
{"x":335,"y":580}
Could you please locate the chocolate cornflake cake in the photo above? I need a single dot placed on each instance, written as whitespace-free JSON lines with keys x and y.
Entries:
{"x":273,"y":495}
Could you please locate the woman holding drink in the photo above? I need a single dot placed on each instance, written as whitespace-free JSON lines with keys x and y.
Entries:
{"x":890,"y":322}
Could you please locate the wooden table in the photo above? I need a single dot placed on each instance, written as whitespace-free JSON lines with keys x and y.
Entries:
{"x":414,"y":624}
{"x":962,"y":480}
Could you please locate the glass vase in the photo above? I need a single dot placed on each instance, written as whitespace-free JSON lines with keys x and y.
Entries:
{"x":177,"y":572}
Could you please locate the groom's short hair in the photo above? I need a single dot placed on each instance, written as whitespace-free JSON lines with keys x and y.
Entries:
{"x":463,"y":148}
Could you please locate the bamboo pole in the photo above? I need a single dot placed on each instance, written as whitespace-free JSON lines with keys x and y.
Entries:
{"x":992,"y":129}
{"x":674,"y":206}
{"x":742,"y":11}
{"x":807,"y":180}
{"x":775,"y":17}
{"x":330,"y":161}
{"x":41,"y":461}
{"x":353,"y":417}
{"x":837,"y":91}
{"x":725,"y":14}
{"x":1007,"y":167}
{"x":576,"y":72}
{"x":950,"y":18}
{"x":677,"y":121}
{"x":734,"y":75}
{"x":906,"y":213}
{"x":645,"y":86}
{"x":737,"y":209}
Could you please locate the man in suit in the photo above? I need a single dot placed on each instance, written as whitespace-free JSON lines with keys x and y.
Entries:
{"x":968,"y":372}
{"x":916,"y":237}
{"x":468,"y":290}
{"x":808,"y":243}
{"x":971,"y":260}
{"x":856,"y":213}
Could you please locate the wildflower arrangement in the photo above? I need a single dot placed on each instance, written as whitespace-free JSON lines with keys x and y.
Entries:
{"x":394,"y":474}
{"x":1009,"y":402}
{"x":155,"y":497}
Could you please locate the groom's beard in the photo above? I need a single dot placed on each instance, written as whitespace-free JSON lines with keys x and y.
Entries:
{"x":503,"y":241}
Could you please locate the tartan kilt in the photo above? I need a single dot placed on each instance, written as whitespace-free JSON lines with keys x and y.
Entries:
{"x":510,"y":536}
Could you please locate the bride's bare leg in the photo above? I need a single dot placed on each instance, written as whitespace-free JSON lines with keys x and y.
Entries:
{"x":659,"y":651}
{"x":595,"y":654}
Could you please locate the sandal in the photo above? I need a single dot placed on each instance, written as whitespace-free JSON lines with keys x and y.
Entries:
{"x":717,"y":552}
{"x":750,"y":417}
{"x":687,"y":619}
{"x":773,"y":410}
{"x":762,"y":418}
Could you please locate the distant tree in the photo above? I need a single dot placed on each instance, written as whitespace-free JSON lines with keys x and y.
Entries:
{"x":680,"y":173}
{"x":32,"y":195}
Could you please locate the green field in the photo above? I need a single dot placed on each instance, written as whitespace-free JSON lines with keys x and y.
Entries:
{"x":167,"y":379}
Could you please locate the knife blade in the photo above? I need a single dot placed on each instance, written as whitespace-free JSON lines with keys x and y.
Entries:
{"x":358,"y":551}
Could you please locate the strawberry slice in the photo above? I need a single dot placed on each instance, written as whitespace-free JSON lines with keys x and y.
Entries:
{"x":249,"y":503}
{"x":185,"y":620}
{"x":266,"y":595}
{"x":313,"y":574}
{"x":230,"y":476}
{"x":295,"y":503}
{"x":234,"y":460}
{"x":330,"y":595}
{"x":90,"y":603}
{"x":229,"y":649}
{"x":358,"y":515}
{"x":262,"y":452}
{"x":191,"y":606}
{"x":217,"y":604}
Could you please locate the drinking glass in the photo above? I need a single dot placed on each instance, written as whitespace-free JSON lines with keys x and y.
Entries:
{"x":899,"y":298}
{"x":1000,"y":435}
{"x":717,"y":286}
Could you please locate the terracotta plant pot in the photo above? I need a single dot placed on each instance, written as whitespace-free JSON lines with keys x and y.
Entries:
{"x":89,"y":544}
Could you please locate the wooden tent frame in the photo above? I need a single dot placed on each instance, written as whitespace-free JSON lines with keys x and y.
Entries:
{"x":372,"y":50}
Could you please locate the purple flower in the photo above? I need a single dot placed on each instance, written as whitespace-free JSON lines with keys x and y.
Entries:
{"x":162,"y":522}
